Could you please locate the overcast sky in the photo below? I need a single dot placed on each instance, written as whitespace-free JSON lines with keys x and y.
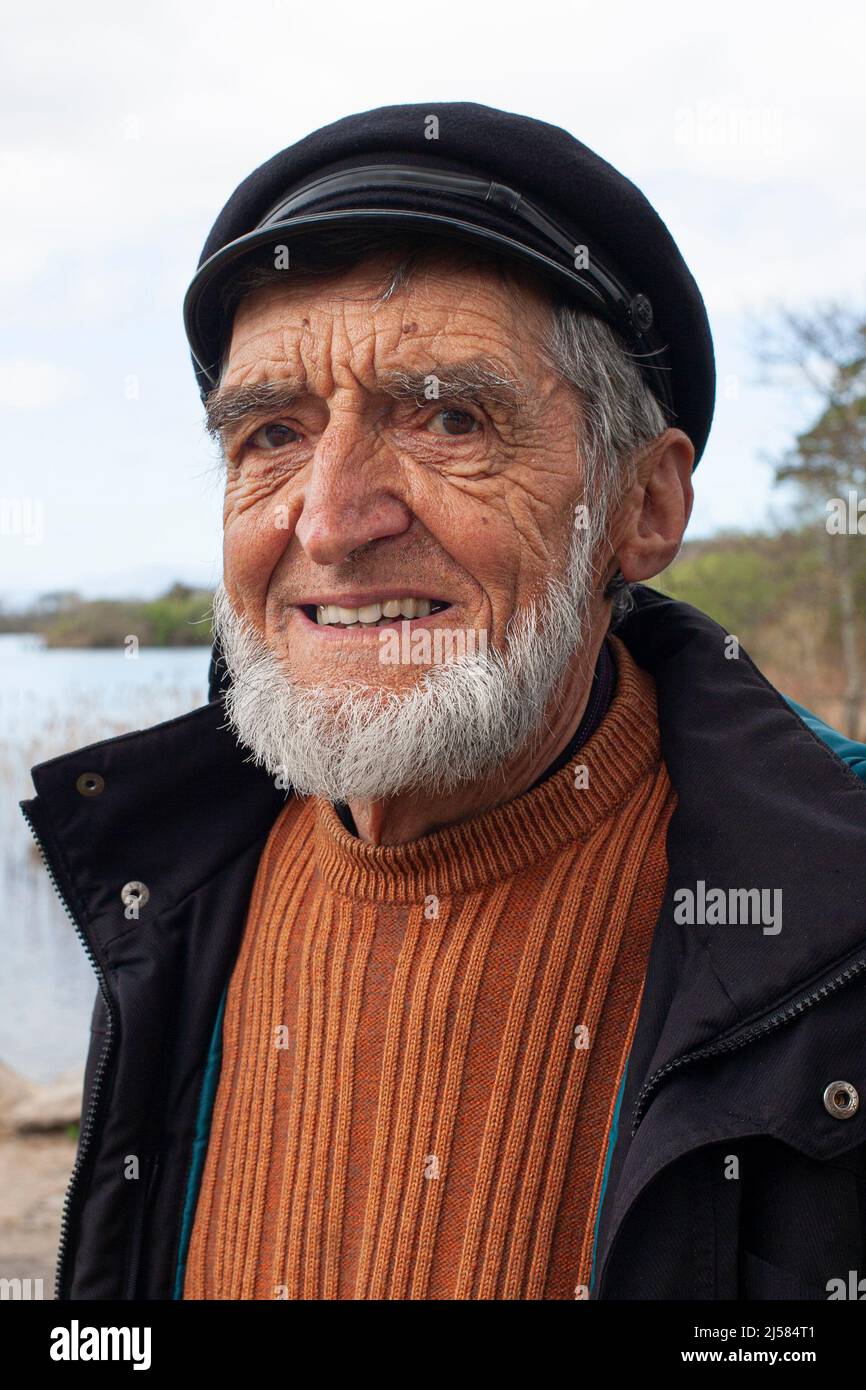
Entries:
{"x":125,"y":128}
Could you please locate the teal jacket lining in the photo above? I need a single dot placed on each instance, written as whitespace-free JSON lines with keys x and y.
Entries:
{"x":199,"y":1146}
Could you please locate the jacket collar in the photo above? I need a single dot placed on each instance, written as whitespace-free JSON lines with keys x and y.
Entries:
{"x":180,"y":801}
{"x":761,"y":803}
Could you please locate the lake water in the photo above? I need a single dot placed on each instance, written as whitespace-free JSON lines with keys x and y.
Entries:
{"x":51,"y":702}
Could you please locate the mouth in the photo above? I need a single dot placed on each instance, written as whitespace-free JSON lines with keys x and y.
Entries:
{"x":385,"y":612}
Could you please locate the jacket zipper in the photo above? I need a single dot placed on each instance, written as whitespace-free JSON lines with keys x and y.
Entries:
{"x":88,"y":1120}
{"x":730,"y":1042}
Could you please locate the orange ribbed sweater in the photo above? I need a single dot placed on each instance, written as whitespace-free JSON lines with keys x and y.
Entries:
{"x":423,"y":1043}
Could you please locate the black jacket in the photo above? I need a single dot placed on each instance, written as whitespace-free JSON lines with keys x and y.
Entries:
{"x":739,"y":1035}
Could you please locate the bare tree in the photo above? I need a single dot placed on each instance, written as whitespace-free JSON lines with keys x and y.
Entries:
{"x":824,"y":350}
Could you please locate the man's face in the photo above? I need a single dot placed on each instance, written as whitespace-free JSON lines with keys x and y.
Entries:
{"x":348,"y":494}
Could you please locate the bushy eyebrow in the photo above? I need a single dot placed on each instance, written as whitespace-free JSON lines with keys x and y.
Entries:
{"x":479,"y":379}
{"x":226,"y":408}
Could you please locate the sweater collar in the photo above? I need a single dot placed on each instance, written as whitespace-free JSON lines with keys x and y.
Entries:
{"x":558,"y":810}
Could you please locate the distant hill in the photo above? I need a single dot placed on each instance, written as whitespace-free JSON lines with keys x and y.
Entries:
{"x":179,"y":618}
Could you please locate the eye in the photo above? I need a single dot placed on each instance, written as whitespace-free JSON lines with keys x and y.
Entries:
{"x":273,"y":436}
{"x":453,"y":422}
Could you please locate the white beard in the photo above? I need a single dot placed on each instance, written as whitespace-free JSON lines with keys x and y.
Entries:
{"x":461,"y":722}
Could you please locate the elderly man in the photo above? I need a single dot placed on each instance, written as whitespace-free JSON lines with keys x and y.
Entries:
{"x":495,"y":930}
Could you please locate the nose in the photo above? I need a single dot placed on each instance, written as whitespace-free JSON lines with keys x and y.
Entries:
{"x":349,"y":497}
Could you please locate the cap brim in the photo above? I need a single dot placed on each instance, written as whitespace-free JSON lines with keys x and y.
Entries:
{"x":201,"y":307}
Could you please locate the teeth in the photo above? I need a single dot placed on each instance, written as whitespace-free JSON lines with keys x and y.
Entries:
{"x":369,"y":613}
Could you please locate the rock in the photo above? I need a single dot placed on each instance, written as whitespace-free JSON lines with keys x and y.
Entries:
{"x":52,"y":1106}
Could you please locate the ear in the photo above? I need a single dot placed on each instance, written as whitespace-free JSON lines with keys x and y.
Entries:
{"x":647,"y":531}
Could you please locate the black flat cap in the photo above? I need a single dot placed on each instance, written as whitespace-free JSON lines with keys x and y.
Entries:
{"x":527,"y":189}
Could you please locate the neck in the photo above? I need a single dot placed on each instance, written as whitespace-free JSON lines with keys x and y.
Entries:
{"x":415,"y":813}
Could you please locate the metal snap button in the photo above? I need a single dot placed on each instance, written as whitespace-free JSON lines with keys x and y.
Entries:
{"x":841,"y":1100}
{"x":90,"y":784}
{"x":134,"y":893}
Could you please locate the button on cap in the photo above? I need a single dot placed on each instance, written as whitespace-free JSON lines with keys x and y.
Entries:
{"x":641,"y":313}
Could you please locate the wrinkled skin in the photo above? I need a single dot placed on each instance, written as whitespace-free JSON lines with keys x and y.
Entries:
{"x":472,"y":504}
